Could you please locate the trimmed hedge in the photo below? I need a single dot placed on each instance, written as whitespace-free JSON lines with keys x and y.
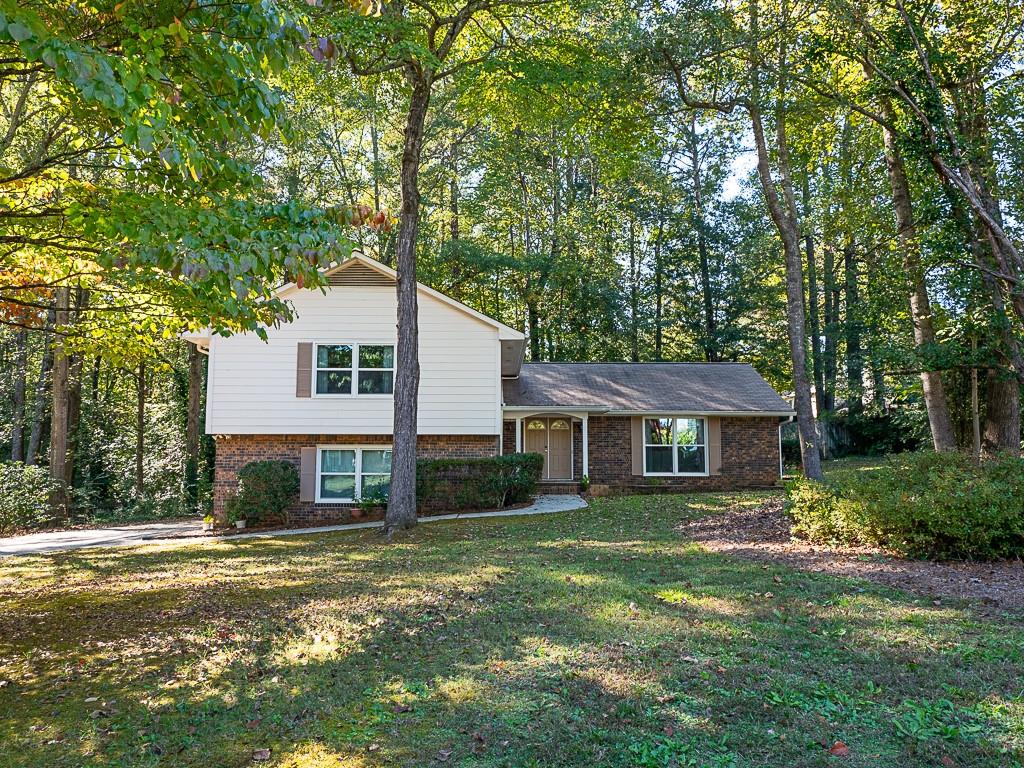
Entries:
{"x":930,"y":505}
{"x":24,"y":497}
{"x":266,"y":489}
{"x":485,"y":483}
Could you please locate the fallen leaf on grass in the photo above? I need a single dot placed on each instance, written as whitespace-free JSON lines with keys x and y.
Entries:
{"x":443,"y":755}
{"x":261,"y":755}
{"x":839,"y":749}
{"x":948,"y":761}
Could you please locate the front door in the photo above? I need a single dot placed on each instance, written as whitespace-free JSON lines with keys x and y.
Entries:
{"x":559,"y":463}
{"x":552,"y":439}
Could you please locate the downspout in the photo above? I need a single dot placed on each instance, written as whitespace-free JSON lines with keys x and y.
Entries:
{"x":782,"y":466}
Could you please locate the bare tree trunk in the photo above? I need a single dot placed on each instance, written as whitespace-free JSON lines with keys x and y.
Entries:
{"x":140,"y":431}
{"x":39,"y":410}
{"x":192,"y":418}
{"x":784,"y":217}
{"x":60,"y":501}
{"x":453,"y":191}
{"x":634,"y":295}
{"x":943,"y":437}
{"x":18,"y":414}
{"x":829,"y":355}
{"x":711,"y":351}
{"x":401,"y":512}
{"x":659,"y":290}
{"x":812,"y":305}
{"x":1002,"y":414}
{"x":854,"y":355}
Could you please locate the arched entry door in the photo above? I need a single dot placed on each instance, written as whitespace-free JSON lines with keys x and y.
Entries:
{"x":551,"y":437}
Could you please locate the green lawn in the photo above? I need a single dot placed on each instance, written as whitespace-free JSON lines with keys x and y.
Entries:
{"x":594,"y":638}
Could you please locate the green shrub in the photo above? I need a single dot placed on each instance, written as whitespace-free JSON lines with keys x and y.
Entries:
{"x":939,"y":506}
{"x":266,"y":489}
{"x":486,"y":483}
{"x":24,"y":497}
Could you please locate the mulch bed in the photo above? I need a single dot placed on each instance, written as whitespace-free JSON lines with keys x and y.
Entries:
{"x":763,"y":535}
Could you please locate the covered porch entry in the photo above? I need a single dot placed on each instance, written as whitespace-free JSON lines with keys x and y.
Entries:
{"x":551,"y":434}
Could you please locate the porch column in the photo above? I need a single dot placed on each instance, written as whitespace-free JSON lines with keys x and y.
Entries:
{"x":586,"y":447}
{"x":519,"y":434}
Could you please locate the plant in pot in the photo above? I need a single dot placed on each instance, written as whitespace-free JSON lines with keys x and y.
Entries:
{"x":234,"y":510}
{"x":370,"y":503}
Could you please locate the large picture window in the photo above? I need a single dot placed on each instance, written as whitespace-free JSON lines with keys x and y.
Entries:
{"x":675,"y":446}
{"x":355,"y":369}
{"x":347,"y":474}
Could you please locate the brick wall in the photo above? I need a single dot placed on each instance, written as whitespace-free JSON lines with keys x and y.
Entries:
{"x":750,"y":457}
{"x":235,"y":451}
{"x":508,"y":436}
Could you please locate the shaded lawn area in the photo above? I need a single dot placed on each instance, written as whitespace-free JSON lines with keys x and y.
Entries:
{"x":592,"y":638}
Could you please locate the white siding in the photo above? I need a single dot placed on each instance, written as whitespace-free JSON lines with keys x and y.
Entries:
{"x":252,"y":382}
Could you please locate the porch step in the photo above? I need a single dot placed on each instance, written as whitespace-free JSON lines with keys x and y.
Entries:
{"x":558,"y":486}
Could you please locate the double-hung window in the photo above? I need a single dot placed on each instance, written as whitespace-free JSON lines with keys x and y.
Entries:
{"x":675,"y":446}
{"x":347,"y":474}
{"x":355,"y":369}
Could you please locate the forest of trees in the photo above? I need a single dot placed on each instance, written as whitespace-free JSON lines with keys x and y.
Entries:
{"x":826,"y":188}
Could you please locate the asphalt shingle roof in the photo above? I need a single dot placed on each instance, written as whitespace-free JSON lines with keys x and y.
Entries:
{"x":667,"y":387}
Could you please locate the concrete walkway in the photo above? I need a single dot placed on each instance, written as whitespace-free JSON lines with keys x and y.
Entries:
{"x":190,"y":531}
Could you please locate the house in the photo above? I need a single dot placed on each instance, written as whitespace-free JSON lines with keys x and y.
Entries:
{"x":318,"y":392}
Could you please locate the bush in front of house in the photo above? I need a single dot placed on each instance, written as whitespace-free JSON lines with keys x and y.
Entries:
{"x":482,"y":483}
{"x":931,"y":505}
{"x":266,"y":489}
{"x":24,"y":497}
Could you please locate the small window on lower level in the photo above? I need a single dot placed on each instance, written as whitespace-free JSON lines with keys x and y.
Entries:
{"x":347,"y":474}
{"x":675,"y":446}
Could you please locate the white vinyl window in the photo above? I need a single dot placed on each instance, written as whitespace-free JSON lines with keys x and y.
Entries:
{"x":354,"y":369}
{"x":346,"y":474}
{"x":675,"y":446}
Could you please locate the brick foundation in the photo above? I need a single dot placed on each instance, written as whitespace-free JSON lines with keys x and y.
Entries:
{"x":750,"y":457}
{"x":235,"y":451}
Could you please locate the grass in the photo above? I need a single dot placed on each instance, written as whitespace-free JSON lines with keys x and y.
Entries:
{"x":594,"y":638}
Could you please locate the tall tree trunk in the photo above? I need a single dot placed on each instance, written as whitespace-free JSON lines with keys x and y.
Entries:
{"x":709,"y":343}
{"x":192,"y":419}
{"x":829,"y":355}
{"x":60,"y":498}
{"x":453,"y":192}
{"x":1002,"y":414}
{"x":39,"y":409}
{"x":140,"y":431}
{"x":634,"y":295}
{"x":401,"y":512}
{"x":854,"y":355}
{"x":943,"y":437}
{"x":812,"y":304}
{"x":785,"y":219}
{"x":659,"y":290}
{"x":18,"y":412}
{"x":533,"y":324}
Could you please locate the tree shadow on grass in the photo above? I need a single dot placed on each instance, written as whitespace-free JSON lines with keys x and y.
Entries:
{"x":566,"y":644}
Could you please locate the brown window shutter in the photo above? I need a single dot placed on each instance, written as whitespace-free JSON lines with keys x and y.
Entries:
{"x":307,"y":474}
{"x":637,"y":433}
{"x":714,"y":438}
{"x":304,"y":370}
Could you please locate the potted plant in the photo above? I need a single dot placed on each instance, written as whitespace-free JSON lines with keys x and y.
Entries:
{"x":208,"y":523}
{"x":234,"y":511}
{"x":372,"y":502}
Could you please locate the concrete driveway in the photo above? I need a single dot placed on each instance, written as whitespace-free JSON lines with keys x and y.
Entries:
{"x":190,"y":530}
{"x":117,"y":536}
